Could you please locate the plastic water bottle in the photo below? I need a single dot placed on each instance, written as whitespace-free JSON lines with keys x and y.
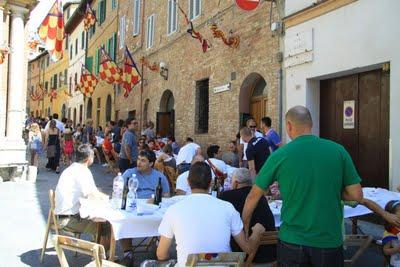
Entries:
{"x":131,"y":198}
{"x":118,"y":188}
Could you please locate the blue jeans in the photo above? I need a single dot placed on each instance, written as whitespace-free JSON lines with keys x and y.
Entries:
{"x":291,"y":255}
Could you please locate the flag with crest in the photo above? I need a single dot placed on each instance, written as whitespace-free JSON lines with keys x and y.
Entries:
{"x":90,"y":18}
{"x":88,"y":82}
{"x":52,"y":33}
{"x":131,"y":75}
{"x":109,"y":71}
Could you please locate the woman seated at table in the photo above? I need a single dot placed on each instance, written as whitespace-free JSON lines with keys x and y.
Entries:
{"x":167,"y":157}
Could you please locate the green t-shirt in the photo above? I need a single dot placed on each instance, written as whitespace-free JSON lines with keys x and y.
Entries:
{"x":312,"y":173}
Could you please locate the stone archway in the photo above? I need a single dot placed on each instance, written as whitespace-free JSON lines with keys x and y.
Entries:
{"x":165,"y":124}
{"x":253,"y":100}
{"x":146,"y":111}
{"x":89,"y":109}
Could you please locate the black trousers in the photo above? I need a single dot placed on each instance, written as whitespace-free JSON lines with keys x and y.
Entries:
{"x":291,"y":255}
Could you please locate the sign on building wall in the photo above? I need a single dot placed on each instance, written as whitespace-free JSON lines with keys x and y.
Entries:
{"x":348,"y":114}
{"x":299,"y":48}
{"x":222,"y":88}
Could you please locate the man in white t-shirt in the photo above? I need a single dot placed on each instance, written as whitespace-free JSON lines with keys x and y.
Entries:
{"x":250,"y":123}
{"x":201,"y":223}
{"x":77,"y":182}
{"x":214,"y":154}
{"x":182,"y":183}
{"x":186,"y":154}
{"x":59,"y":124}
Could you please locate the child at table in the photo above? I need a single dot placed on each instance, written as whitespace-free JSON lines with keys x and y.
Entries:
{"x":391,"y":242}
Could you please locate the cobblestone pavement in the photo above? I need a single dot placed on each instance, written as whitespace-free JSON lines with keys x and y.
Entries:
{"x":24,"y":207}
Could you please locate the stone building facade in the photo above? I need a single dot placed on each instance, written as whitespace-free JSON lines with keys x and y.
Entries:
{"x":207,"y":95}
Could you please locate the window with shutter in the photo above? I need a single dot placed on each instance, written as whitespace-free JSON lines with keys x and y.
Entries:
{"x":202,"y":106}
{"x":136,"y":17}
{"x":122,"y":27}
{"x":172,"y":17}
{"x":104,"y":10}
{"x":83,"y":40}
{"x":89,"y":63}
{"x":194,"y":9}
{"x":150,"y":31}
{"x":114,"y":51}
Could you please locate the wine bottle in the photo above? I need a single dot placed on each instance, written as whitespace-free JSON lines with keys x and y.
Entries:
{"x":158,"y":195}
{"x":215,"y":188}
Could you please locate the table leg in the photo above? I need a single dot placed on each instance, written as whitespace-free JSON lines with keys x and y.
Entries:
{"x":112,"y":245}
{"x":354,"y":226}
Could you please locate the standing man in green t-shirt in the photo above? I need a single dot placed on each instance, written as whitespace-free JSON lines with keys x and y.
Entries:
{"x":314,"y":175}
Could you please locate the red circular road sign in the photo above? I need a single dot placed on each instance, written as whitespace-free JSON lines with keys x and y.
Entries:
{"x":248,"y":4}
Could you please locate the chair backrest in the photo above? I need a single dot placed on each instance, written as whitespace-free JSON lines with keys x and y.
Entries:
{"x":52,"y":199}
{"x":267,"y":238}
{"x":78,"y":245}
{"x":171,"y":175}
{"x":216,"y":259}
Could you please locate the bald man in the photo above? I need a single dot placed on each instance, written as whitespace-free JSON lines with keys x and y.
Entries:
{"x":314,"y":175}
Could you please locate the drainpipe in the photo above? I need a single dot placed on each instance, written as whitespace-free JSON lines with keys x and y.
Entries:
{"x":280,"y":112}
{"x":142,"y":79}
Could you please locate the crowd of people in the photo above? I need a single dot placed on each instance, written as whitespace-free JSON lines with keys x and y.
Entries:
{"x":314,"y":177}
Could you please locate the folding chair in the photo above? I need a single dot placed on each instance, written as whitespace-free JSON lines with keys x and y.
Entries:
{"x":111,"y":164}
{"x":216,"y":259}
{"x":267,"y":238}
{"x":94,"y":250}
{"x":53,"y":224}
{"x":361,"y":241}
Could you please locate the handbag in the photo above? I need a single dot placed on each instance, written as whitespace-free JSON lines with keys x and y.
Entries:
{"x":51,"y":151}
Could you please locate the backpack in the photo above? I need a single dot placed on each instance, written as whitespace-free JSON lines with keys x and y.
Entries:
{"x":36,"y":143}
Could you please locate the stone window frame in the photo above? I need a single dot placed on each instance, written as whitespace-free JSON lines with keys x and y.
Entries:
{"x":122,"y":28}
{"x":150,"y":26}
{"x":136,"y":21}
{"x":192,"y":6}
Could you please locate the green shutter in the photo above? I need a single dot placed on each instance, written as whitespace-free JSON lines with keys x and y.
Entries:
{"x":104,"y":9}
{"x":89,"y":64}
{"x":109,"y":48}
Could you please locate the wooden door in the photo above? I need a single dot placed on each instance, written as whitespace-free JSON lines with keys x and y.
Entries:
{"x":257,"y":109}
{"x":164,"y":121}
{"x":367,"y":142}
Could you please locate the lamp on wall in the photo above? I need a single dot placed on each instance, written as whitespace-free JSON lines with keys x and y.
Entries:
{"x":164,"y":70}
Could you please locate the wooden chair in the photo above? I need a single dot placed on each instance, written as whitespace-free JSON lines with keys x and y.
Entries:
{"x":268,"y":238}
{"x":53,"y":224}
{"x":216,"y":259}
{"x":172,"y":177}
{"x":361,"y":241}
{"x":112,"y":165}
{"x":94,"y":250}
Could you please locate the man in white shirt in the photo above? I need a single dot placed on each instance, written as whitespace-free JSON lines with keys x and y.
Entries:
{"x":59,"y":124}
{"x":201,"y":223}
{"x":186,"y":154}
{"x":214,"y":154}
{"x":182,"y":183}
{"x":250,"y":123}
{"x":77,"y":182}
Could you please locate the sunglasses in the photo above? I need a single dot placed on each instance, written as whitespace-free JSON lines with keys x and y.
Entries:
{"x":253,"y":127}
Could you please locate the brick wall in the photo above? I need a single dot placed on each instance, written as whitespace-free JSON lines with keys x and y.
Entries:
{"x":187,"y":64}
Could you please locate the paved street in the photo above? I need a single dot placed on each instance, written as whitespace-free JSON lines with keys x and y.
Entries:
{"x":25,"y":206}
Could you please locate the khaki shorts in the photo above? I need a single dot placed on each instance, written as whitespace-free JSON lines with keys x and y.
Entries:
{"x":76,"y":224}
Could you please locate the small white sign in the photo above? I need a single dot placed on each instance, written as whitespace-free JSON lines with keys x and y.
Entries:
{"x":348,"y":114}
{"x":222,"y":88}
{"x":299,"y":59}
{"x":298,"y":43}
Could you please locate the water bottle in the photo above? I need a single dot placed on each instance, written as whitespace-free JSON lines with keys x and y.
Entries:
{"x":131,"y":197}
{"x":118,"y":187}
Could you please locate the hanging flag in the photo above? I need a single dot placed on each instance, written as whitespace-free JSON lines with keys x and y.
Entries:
{"x":53,"y":94}
{"x":232,"y":41}
{"x":195,"y":34}
{"x":90,"y":18}
{"x":52,"y":31}
{"x":38,"y":94}
{"x":88,"y":82}
{"x":131,"y":75}
{"x":109,"y":71}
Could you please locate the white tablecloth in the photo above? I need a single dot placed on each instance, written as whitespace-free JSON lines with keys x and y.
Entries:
{"x":125,"y":224}
{"x":379,"y":195}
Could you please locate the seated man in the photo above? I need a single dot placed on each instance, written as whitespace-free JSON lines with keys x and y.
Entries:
{"x":182,"y":183}
{"x":214,"y":154}
{"x":201,"y":223}
{"x":241,"y":186}
{"x":148,"y":181}
{"x":76,"y":182}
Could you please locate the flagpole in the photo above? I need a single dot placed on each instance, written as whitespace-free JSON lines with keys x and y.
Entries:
{"x":141,"y":99}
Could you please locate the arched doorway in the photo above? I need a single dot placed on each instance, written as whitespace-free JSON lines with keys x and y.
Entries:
{"x":146,"y":111}
{"x":89,"y":109}
{"x":108,"y":109}
{"x":253,"y":98}
{"x":74,"y":118}
{"x":166,"y":117}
